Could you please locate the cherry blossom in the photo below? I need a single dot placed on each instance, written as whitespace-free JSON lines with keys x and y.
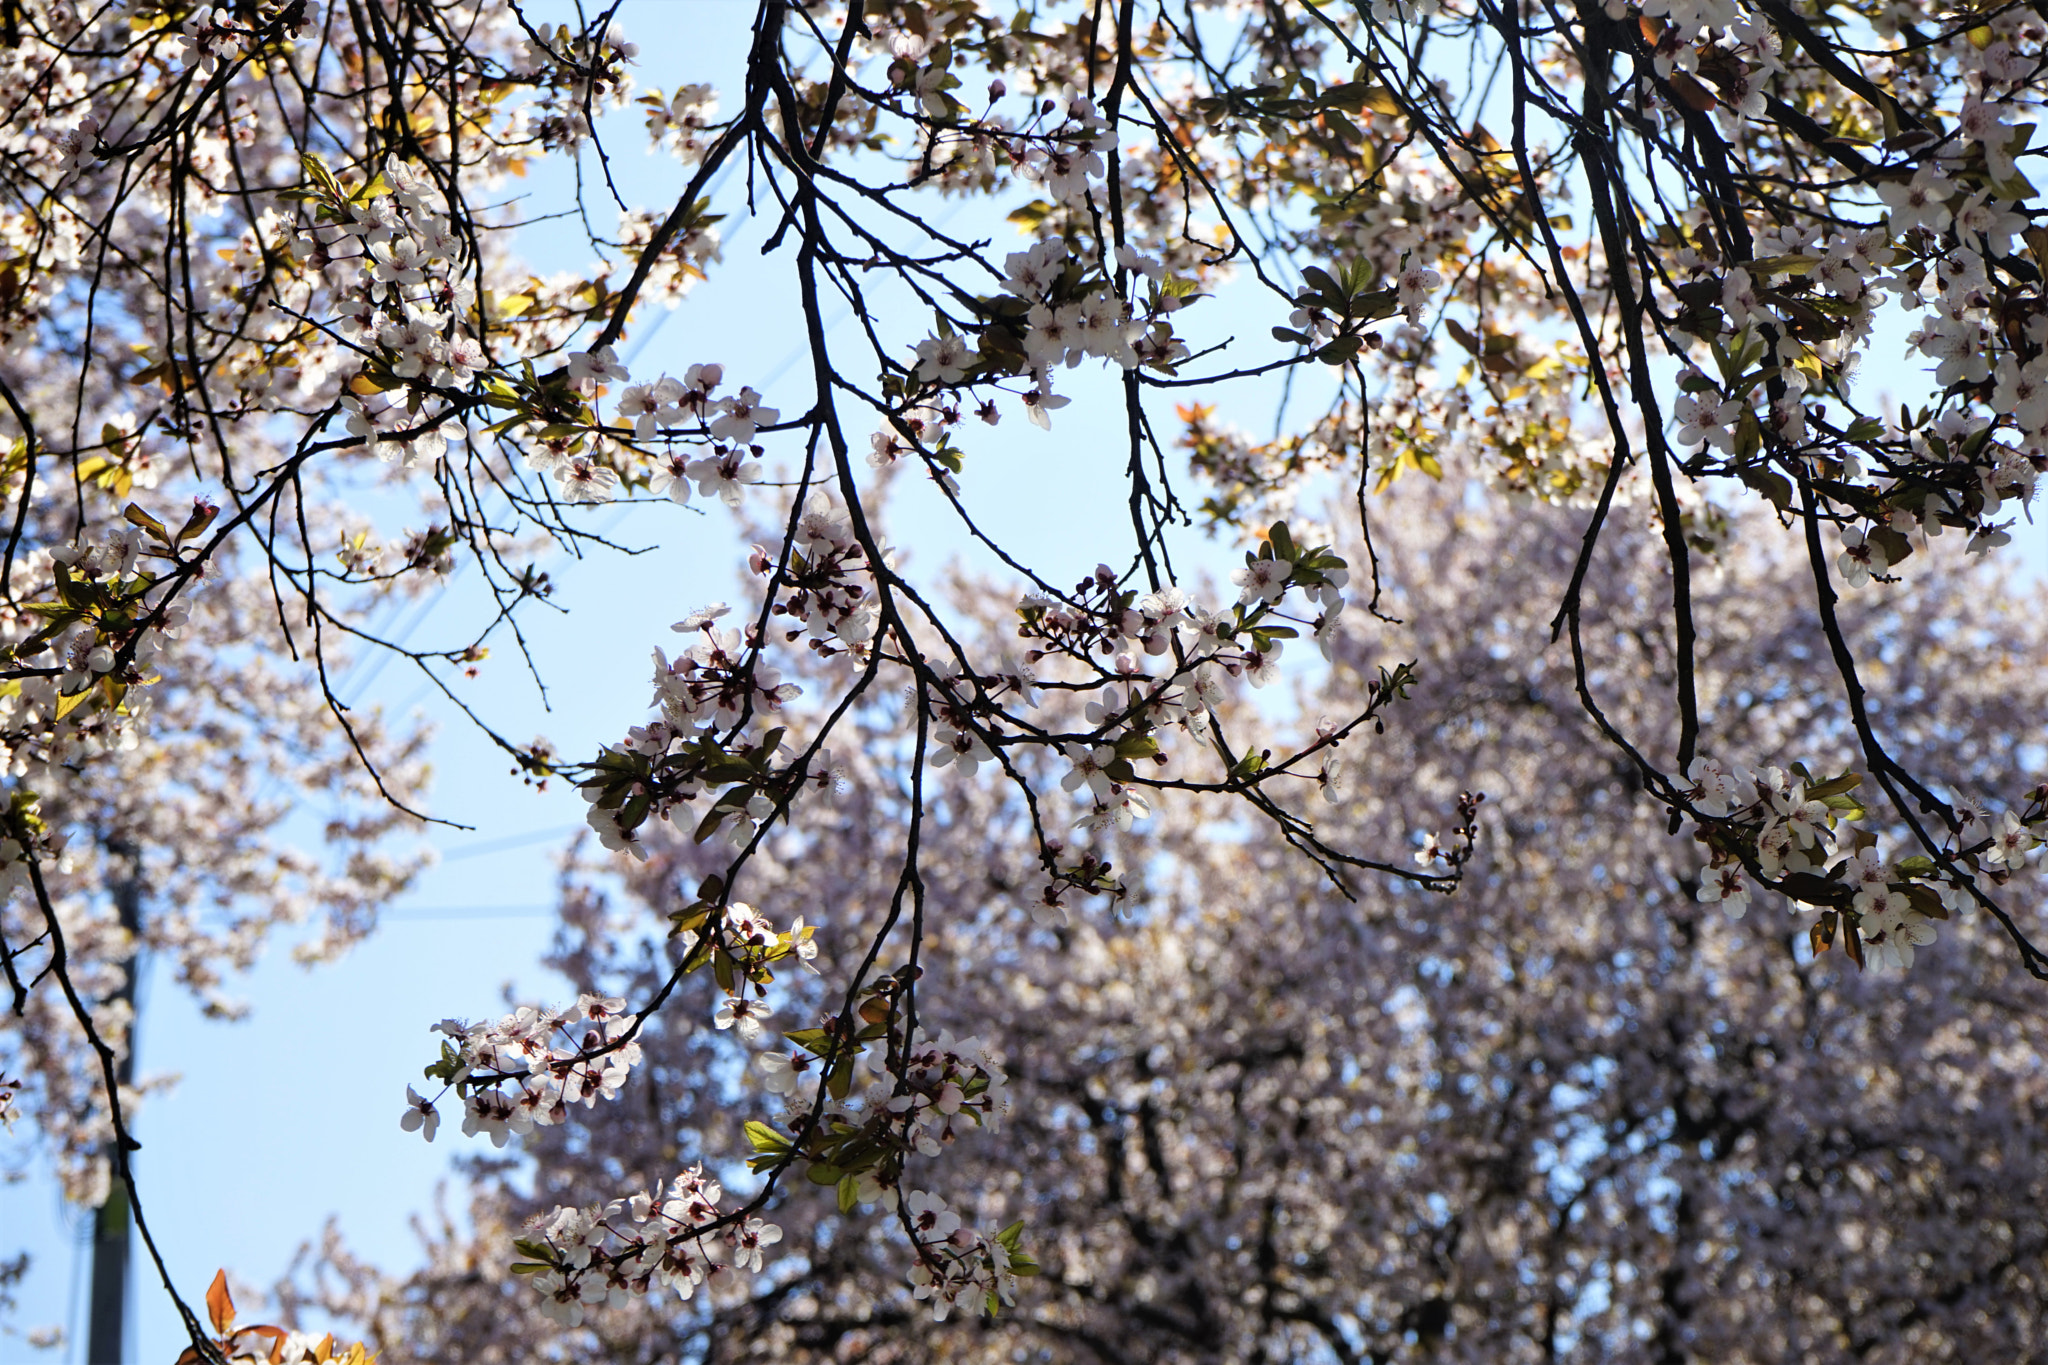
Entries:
{"x":1579,"y":375}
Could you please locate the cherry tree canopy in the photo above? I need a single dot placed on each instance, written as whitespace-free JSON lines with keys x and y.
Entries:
{"x":1608,"y":272}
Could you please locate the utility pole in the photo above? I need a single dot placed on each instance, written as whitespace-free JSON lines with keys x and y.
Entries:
{"x":107,"y":1329}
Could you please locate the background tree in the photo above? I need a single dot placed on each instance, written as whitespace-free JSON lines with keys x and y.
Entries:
{"x":1569,"y":1113}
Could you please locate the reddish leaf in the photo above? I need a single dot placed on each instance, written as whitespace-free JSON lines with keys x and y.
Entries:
{"x":277,"y":1336}
{"x":219,"y":1305}
{"x":1697,"y":96}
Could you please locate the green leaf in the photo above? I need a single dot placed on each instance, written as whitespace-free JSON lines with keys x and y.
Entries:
{"x":1136,"y":746}
{"x":1926,"y":901}
{"x":143,"y":519}
{"x":1781,"y":265}
{"x":764,"y":1138}
{"x":317,"y":172}
{"x":1326,"y":285}
{"x":202,"y":517}
{"x":1380,"y":303}
{"x":811,"y":1040}
{"x":1834,"y":786}
{"x":1032,"y":214}
{"x":1814,"y":890}
{"x":634,"y":812}
{"x":1749,"y":436}
{"x":1358,"y":96}
{"x":1776,"y":488}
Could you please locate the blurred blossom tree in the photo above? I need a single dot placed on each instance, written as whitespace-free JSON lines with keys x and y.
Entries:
{"x":1598,"y":269}
{"x":1569,"y":1113}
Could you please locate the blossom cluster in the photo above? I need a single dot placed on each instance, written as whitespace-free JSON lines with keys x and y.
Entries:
{"x":103,"y":620}
{"x":716,"y":685}
{"x":675,"y":1238}
{"x":828,"y":586}
{"x":575,"y":69}
{"x":590,"y":462}
{"x":677,"y":123}
{"x":526,"y":1069}
{"x":933,"y":1083}
{"x":1134,"y":706}
{"x":1059,"y":308}
{"x":1787,"y":326}
{"x":713,"y":685}
{"x":954,"y":1261}
{"x":708,"y":694}
{"x":942,"y":1077}
{"x":1785,"y":826}
{"x":740,"y":951}
{"x":209,"y":37}
{"x":402,"y":299}
{"x":863,"y":1137}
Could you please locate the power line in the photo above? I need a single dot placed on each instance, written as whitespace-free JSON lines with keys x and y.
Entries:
{"x":411,"y":914}
{"x":509,"y":841}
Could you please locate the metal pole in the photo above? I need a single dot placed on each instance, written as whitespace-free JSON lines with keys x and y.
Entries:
{"x":107,"y":1329}
{"x":109,"y":1280}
